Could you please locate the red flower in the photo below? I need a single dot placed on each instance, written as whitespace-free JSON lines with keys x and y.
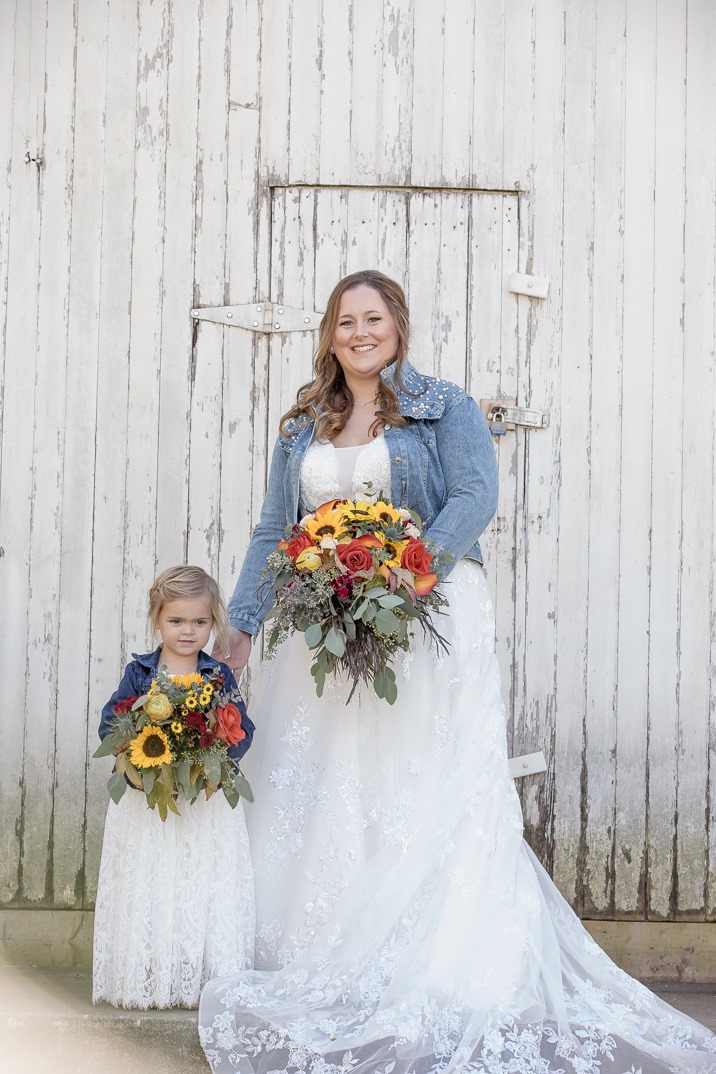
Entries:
{"x":343,"y":586}
{"x":196,"y":721}
{"x":206,"y":740}
{"x":228,"y":724}
{"x":354,"y":556}
{"x":297,"y":544}
{"x":416,"y":557}
{"x":124,"y":706}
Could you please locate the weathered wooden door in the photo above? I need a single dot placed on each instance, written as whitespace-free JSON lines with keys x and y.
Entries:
{"x":453,"y":251}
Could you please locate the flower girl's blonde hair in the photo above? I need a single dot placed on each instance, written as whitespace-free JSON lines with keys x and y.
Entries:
{"x":185,"y":583}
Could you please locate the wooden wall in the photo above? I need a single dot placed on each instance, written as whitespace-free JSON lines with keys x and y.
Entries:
{"x":132,"y":440}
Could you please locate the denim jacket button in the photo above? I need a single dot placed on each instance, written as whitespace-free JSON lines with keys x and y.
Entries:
{"x":398,"y":459}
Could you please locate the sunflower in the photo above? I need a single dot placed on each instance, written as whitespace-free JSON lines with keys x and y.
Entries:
{"x":329,"y":521}
{"x":396,"y":549}
{"x":149,"y":748}
{"x":386,"y":513}
{"x":190,"y":700}
{"x":177,"y":727}
{"x":204,"y":698}
{"x":194,"y":679}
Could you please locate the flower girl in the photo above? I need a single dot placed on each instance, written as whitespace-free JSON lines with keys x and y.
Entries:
{"x":175,"y":903}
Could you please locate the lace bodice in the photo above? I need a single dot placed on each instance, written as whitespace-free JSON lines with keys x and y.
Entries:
{"x":320,"y":474}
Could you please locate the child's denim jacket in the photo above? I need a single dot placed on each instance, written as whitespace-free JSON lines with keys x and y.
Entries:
{"x":138,"y":677}
{"x":442,"y":465}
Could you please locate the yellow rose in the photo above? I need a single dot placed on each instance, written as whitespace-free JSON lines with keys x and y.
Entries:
{"x":309,"y":560}
{"x":158,"y":708}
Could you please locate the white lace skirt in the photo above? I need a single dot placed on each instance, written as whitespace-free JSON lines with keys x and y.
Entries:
{"x":175,"y":902}
{"x":403,"y":926}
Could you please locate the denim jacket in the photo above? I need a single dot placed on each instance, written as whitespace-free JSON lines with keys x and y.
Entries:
{"x":442,"y":465}
{"x":137,"y":679}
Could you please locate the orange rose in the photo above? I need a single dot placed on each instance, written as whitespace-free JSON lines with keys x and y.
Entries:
{"x":228,"y":724}
{"x":416,"y":557}
{"x":297,"y":544}
{"x":354,"y":556}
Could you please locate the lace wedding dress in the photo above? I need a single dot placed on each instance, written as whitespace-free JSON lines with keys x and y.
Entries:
{"x":403,"y":926}
{"x":175,"y":902}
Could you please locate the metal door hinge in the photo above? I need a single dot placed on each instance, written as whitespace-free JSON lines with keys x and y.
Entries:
{"x":502,"y":416}
{"x":261,"y":317}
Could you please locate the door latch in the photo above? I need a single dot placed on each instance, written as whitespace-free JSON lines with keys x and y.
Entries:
{"x":503,"y":415}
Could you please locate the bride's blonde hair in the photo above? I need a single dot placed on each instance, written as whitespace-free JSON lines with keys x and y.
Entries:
{"x":327,"y":399}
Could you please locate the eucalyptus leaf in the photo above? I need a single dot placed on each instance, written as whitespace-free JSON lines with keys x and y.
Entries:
{"x":108,"y":745}
{"x":116,"y":785}
{"x":391,"y":601}
{"x":149,"y":778}
{"x":335,"y":642}
{"x":243,"y":787}
{"x":140,"y":702}
{"x":386,"y":622}
{"x":378,"y":681}
{"x":212,"y":768}
{"x":230,"y":793}
{"x":183,"y":775}
{"x":313,"y":635}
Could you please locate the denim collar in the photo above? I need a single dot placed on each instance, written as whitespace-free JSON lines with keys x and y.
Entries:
{"x":423,"y":396}
{"x":150,"y":661}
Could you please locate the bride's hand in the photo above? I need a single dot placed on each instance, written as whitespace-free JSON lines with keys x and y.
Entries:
{"x":239,"y":651}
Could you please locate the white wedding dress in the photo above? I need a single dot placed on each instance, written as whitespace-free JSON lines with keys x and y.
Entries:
{"x":403,"y":925}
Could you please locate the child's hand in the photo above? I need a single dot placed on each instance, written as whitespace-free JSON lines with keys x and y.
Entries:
{"x":239,"y":651}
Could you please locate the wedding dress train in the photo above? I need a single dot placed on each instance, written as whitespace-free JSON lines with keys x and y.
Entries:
{"x":403,"y":925}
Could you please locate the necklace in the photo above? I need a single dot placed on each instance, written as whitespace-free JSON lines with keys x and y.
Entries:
{"x":367,"y":402}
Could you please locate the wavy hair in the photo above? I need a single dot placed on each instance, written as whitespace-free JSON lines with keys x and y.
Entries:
{"x":327,"y":399}
{"x":185,"y":583}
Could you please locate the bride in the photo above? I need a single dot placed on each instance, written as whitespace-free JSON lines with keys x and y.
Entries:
{"x":403,"y":925}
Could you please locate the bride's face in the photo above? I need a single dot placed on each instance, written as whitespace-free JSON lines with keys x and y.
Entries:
{"x":365,"y":339}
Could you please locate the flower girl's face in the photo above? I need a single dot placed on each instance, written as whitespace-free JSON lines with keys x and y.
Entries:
{"x":185,"y":626}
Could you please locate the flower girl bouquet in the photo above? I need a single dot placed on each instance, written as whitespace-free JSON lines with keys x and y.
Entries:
{"x":174,"y":742}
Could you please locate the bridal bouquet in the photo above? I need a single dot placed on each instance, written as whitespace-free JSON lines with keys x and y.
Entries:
{"x":353,"y":577}
{"x":176,"y":739}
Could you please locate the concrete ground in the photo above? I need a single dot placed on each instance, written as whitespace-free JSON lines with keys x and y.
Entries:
{"x":48,"y":1022}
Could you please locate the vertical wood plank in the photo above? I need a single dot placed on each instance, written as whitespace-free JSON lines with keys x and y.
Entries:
{"x":697,"y":500}
{"x":427,"y":119}
{"x":47,"y":458}
{"x":16,"y":435}
{"x":306,"y":100}
{"x":539,"y":383}
{"x":518,"y":80}
{"x":179,"y":236}
{"x":143,"y":498}
{"x":696,"y":866}
{"x":77,"y":506}
{"x":275,"y":91}
{"x":335,"y":134}
{"x":459,"y":30}
{"x":573,"y":743}
{"x":666,"y":471}
{"x":488,"y":95}
{"x":423,"y":274}
{"x":491,"y":373}
{"x":636,"y":431}
{"x":398,"y":75}
{"x":108,"y":647}
{"x":210,"y":224}
{"x":366,"y":90}
{"x":604,"y":452}
{"x":450,"y":293}
{"x":245,"y":445}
